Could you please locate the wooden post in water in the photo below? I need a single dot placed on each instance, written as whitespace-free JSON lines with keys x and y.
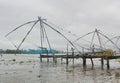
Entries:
{"x":108,"y":65}
{"x":47,"y":56}
{"x":84,"y":62}
{"x":93,"y":51}
{"x":40,"y":58}
{"x":67,"y":56}
{"x":92,"y":62}
{"x":84,"y":59}
{"x":53,"y":57}
{"x":67,"y":60}
{"x":61,"y":59}
{"x":73,"y":54}
{"x":102,"y":63}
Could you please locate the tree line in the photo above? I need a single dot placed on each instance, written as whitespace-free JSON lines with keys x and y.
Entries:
{"x":10,"y":51}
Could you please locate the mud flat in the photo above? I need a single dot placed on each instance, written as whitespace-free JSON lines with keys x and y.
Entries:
{"x":24,"y":68}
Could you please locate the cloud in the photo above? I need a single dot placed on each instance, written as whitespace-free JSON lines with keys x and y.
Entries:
{"x":77,"y":16}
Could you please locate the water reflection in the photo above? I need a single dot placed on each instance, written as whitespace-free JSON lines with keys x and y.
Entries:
{"x":61,"y":73}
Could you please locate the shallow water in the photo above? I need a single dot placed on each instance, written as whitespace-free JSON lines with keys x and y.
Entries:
{"x":28,"y":69}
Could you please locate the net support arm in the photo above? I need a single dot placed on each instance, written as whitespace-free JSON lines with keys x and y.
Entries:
{"x":19,"y":27}
{"x":62,"y":35}
{"x":26,"y":35}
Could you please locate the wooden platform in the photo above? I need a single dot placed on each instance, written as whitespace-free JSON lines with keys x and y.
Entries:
{"x":81,"y":56}
{"x":84,"y":57}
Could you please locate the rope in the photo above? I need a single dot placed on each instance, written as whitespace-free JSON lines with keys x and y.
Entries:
{"x":61,"y":35}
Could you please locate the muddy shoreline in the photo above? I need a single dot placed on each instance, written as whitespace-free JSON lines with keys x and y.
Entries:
{"x":28,"y":69}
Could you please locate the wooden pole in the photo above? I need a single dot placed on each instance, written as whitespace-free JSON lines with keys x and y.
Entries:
{"x":67,"y":60}
{"x":84,"y":62}
{"x":67,"y":56}
{"x":41,"y":36}
{"x":53,"y":58}
{"x":108,"y":65}
{"x":93,"y":50}
{"x":61,"y":59}
{"x":40,"y":57}
{"x":102,"y":63}
{"x":72,"y":54}
{"x":47,"y":56}
{"x":92,"y":62}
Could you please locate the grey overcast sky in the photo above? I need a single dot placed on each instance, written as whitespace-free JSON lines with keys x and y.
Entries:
{"x":77,"y":16}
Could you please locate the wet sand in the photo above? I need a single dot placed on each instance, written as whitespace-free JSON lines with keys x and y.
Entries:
{"x":24,"y":68}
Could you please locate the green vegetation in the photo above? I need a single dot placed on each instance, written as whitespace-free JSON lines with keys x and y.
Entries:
{"x":9,"y":51}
